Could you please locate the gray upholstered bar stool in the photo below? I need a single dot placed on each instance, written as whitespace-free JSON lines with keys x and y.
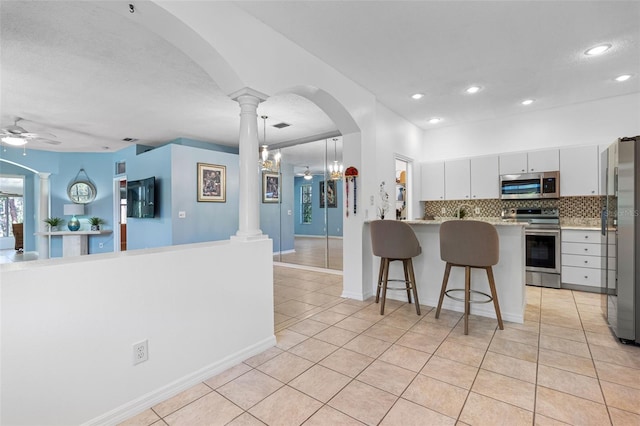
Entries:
{"x":469,"y":244}
{"x":394,"y":240}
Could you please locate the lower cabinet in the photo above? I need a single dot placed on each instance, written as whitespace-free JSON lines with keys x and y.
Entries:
{"x":583,"y":259}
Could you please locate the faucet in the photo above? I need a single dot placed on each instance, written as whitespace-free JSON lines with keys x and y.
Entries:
{"x":460,"y":207}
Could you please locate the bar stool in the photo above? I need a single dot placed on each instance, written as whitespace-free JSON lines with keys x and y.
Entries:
{"x":469,"y":244}
{"x":394,"y":240}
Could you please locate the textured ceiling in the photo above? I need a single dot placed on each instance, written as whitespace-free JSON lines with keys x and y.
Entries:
{"x":514,"y":49}
{"x":91,"y":78}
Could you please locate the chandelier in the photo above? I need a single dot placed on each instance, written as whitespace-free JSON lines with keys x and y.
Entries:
{"x":268,"y":164}
{"x":335,"y":169}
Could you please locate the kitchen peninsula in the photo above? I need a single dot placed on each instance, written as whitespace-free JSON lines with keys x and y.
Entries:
{"x":429,"y":270}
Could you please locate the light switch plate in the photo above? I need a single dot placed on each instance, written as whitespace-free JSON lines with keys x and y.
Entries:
{"x":182,"y":214}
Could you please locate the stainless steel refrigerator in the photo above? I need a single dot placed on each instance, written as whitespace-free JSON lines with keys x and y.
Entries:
{"x":621,"y":239}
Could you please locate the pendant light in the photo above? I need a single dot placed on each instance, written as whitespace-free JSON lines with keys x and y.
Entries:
{"x":267,"y":164}
{"x":335,"y":169}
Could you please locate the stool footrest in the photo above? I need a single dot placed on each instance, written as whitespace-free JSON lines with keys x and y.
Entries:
{"x":489,"y":298}
{"x":408,"y":284}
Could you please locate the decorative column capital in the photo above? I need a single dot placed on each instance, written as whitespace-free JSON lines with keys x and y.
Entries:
{"x":246,"y":93}
{"x":43,"y":175}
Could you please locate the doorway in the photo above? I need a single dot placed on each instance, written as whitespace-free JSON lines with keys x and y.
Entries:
{"x":402,"y":194}
{"x":120,"y":214}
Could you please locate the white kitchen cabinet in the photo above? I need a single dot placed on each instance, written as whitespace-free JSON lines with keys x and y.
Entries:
{"x":432,"y":181}
{"x":511,"y":164}
{"x":530,"y":162}
{"x":485,"y":178}
{"x":582,"y":259}
{"x":579,"y":171}
{"x":543,"y":161}
{"x":457,"y":179}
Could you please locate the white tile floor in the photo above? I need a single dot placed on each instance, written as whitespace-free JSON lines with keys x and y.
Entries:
{"x":338,"y":362}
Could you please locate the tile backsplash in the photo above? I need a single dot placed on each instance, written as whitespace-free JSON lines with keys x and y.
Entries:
{"x":570,"y":207}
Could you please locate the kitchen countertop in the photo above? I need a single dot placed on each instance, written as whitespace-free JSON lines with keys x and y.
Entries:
{"x":493,"y":221}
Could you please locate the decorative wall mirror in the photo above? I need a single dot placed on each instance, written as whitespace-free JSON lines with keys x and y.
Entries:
{"x":81,"y":190}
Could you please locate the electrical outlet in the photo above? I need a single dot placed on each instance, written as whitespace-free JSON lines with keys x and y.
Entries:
{"x":476,"y":210}
{"x":101,"y":245}
{"x":443,"y":210}
{"x":140,"y":352}
{"x":372,"y":200}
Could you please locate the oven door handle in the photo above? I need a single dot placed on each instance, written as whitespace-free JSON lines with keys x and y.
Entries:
{"x":542,"y":232}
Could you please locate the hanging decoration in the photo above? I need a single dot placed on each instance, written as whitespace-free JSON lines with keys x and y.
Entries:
{"x":350,"y":176}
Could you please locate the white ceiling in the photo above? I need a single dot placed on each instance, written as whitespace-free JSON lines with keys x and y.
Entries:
{"x":91,"y":78}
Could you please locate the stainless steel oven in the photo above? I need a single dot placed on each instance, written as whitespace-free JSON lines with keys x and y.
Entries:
{"x":542,"y":244}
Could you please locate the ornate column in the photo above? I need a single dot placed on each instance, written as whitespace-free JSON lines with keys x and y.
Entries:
{"x":42,"y":243}
{"x":249,"y":208}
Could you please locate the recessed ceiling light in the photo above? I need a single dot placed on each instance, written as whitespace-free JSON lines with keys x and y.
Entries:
{"x":623,"y":77}
{"x":435,"y":120}
{"x":417,"y":95}
{"x":527,"y":102}
{"x":597,"y":50}
{"x":473,"y":89}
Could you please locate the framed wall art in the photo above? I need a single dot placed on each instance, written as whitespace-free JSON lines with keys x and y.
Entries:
{"x":212,"y":183}
{"x":270,"y":187}
{"x":332,"y":195}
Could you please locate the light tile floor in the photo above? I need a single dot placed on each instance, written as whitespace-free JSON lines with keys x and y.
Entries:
{"x":311,"y":251}
{"x":338,"y":362}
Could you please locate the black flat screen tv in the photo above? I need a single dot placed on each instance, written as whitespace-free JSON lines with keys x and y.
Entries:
{"x":141,"y":198}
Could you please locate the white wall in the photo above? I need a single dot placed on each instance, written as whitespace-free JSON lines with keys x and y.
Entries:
{"x":589,"y":123}
{"x":68,"y":326}
{"x":396,"y":136}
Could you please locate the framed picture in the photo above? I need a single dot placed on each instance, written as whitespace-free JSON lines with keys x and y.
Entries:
{"x":121,"y":167}
{"x":270,"y":187}
{"x":212,"y":183}
{"x":332,"y":195}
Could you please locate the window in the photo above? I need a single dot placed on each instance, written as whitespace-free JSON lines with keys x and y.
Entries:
{"x":305,"y":203}
{"x":10,"y":212}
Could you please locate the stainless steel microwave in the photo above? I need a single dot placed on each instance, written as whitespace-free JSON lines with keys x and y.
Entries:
{"x":529,"y":186}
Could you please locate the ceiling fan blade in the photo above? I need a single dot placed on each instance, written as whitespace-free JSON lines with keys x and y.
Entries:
{"x":49,"y":141}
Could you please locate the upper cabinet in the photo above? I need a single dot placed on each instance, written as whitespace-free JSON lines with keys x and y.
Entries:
{"x":432,"y":181}
{"x":511,"y":164}
{"x":530,"y":162}
{"x":485,"y":178}
{"x":543,"y":161}
{"x":579,"y":171}
{"x":457,"y":178}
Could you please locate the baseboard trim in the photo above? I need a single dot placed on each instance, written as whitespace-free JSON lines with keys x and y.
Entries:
{"x":275,"y":253}
{"x":144,"y":402}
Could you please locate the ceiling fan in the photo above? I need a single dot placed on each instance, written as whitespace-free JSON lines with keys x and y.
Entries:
{"x":18,"y":136}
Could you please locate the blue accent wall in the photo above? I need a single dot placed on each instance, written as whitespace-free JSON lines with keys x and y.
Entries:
{"x":174,"y":166}
{"x":204,"y":221}
{"x":317,"y":226}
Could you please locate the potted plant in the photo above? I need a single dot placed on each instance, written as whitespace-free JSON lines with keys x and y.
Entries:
{"x":54,"y":223}
{"x":95,"y":223}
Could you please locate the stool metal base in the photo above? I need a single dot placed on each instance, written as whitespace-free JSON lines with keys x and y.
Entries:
{"x":488,"y":297}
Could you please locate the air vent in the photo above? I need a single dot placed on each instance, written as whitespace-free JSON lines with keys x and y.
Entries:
{"x":281,"y":125}
{"x":129,"y":139}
